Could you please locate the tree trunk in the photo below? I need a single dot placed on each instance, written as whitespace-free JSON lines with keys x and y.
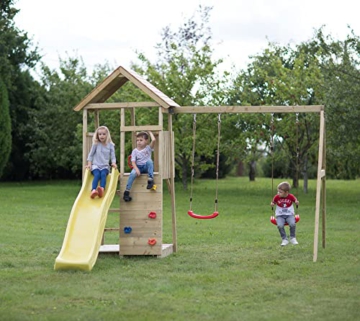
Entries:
{"x":305,"y":174}
{"x":252,"y":167}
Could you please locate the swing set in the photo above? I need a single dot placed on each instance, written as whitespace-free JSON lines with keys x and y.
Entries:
{"x":321,"y":177}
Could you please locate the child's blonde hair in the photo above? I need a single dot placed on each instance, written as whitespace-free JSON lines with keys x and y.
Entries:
{"x":108,"y":136}
{"x":284,"y":186}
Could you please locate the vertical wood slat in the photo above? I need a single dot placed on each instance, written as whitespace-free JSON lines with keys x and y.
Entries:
{"x":172,"y":181}
{"x":84,"y":132}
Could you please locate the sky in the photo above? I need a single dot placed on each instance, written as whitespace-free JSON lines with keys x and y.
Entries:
{"x":111,"y":31}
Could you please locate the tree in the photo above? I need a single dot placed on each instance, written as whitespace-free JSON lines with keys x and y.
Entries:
{"x":186,"y":72}
{"x":5,"y":127}
{"x":16,"y":56}
{"x":340,"y":64}
{"x":55,"y":147}
{"x":282,"y":76}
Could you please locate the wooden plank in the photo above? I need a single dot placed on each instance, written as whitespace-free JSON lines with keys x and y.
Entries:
{"x":245,"y":109}
{"x":318,"y":185}
{"x":114,"y":106}
{"x":172,"y":182}
{"x":166,"y":249}
{"x":84,"y":142}
{"x":141,"y":128}
{"x":324,"y":191}
{"x":140,"y":246}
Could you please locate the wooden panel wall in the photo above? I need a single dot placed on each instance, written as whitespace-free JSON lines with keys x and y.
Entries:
{"x":135,"y":214}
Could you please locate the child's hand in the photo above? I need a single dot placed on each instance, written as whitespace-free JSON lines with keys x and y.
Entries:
{"x":272,"y":204}
{"x":113,"y":165}
{"x":297,"y":202}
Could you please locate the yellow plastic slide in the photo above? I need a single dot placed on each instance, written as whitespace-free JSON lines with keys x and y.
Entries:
{"x":86,"y":226}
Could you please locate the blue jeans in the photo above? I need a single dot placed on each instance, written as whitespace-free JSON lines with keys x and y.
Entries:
{"x":99,"y":175}
{"x":281,"y":220}
{"x":147,"y":168}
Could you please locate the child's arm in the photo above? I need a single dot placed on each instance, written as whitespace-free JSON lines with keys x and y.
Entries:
{"x":273,"y":202}
{"x":295,"y":200}
{"x":153,"y":139}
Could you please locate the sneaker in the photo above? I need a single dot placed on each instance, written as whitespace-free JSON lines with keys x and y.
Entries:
{"x":127,"y":197}
{"x":94,"y":193}
{"x":100,"y":191}
{"x":284,"y":242}
{"x":150,"y":184}
{"x":294,"y":241}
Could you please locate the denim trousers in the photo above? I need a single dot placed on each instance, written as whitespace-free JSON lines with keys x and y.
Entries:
{"x":281,"y":220}
{"x":147,"y":168}
{"x":99,"y":175}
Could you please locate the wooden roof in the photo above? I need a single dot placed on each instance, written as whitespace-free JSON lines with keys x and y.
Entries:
{"x":117,"y":79}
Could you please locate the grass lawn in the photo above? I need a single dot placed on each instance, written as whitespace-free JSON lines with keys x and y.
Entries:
{"x":228,"y":268}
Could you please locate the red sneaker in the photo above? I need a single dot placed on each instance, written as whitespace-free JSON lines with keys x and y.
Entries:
{"x":94,"y":193}
{"x":100,"y":191}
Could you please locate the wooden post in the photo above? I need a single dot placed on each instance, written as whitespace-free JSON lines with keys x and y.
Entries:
{"x":84,"y":132}
{"x":324,"y":193}
{"x":320,"y":174}
{"x":172,"y":181}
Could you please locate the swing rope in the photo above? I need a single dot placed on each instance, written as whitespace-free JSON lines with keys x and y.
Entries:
{"x":190,"y":212}
{"x":297,"y":216}
{"x":193,"y":161}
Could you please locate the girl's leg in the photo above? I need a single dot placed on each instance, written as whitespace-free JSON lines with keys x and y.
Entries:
{"x":96,"y":179}
{"x":103,"y":174}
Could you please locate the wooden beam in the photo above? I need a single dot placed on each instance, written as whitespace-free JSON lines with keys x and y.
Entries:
{"x":244,"y":109}
{"x":141,"y":128}
{"x":112,"y":106}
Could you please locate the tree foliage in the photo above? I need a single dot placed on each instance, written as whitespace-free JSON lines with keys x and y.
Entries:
{"x":282,"y":76}
{"x":340,"y":64}
{"x":16,"y":57}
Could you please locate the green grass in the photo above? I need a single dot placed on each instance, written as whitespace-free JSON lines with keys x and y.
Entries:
{"x":228,"y":268}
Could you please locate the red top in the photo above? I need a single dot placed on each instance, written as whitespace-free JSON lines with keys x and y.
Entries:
{"x":284,"y":205}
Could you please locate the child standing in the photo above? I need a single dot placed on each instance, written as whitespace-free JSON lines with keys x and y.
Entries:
{"x":141,"y":162}
{"x":101,"y":153}
{"x":285,"y":212}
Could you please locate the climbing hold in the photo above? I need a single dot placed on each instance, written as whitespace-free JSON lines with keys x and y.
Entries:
{"x":127,"y":229}
{"x":152,"y":215}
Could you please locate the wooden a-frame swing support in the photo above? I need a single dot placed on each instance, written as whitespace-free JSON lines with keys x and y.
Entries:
{"x":321,"y":179}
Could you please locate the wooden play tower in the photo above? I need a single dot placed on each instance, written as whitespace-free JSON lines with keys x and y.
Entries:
{"x":141,"y":220}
